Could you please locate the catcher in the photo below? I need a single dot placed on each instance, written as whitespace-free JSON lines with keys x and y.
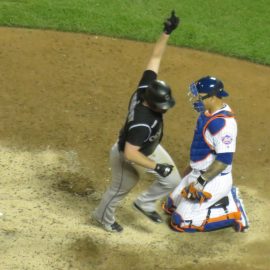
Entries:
{"x":205,"y":199}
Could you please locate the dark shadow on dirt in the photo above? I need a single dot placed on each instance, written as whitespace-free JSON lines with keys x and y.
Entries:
{"x":73,"y":183}
{"x":87,"y":253}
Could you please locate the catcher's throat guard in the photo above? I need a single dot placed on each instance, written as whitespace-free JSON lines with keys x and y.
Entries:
{"x":195,"y":98}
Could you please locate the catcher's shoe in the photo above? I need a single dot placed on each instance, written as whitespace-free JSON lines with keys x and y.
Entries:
{"x":154,"y":216}
{"x":241,"y":225}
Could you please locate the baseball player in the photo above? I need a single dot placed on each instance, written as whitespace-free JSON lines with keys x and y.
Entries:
{"x":138,"y":149}
{"x":205,"y":199}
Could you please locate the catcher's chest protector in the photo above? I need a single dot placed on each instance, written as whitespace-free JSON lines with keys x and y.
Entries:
{"x":200,"y":149}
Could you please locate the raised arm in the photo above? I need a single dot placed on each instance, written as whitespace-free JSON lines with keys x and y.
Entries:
{"x":157,"y":54}
{"x":169,"y":25}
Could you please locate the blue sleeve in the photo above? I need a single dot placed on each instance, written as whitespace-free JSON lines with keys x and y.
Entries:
{"x":225,"y":158}
{"x":216,"y":125}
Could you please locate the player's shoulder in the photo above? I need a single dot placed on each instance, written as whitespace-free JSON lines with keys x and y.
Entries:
{"x":220,"y":120}
{"x":216,"y":125}
{"x":143,"y":115}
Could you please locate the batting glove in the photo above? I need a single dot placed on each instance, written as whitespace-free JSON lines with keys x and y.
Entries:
{"x":163,"y":169}
{"x":171,"y":23}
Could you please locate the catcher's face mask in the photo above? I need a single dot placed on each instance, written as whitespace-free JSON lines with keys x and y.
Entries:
{"x":196,"y":99}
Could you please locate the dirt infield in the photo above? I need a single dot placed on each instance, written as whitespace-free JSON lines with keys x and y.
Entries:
{"x":63,"y":99}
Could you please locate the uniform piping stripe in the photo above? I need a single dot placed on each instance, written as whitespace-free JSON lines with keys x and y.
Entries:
{"x":142,"y":125}
{"x":138,"y":125}
{"x":154,"y":124}
{"x":143,"y":86}
{"x":122,"y":174}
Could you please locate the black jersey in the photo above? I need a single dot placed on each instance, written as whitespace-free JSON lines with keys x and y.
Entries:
{"x":143,"y":127}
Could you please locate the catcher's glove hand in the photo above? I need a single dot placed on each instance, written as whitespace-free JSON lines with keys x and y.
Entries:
{"x":171,"y":23}
{"x":195,"y":191}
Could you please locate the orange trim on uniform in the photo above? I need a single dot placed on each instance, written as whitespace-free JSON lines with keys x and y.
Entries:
{"x":208,"y":122}
{"x":163,"y":206}
{"x":208,"y":114}
{"x":177,"y":228}
{"x":233,"y":215}
{"x":182,"y":229}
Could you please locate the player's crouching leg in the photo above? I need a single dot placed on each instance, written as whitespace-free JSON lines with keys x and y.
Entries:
{"x":227,"y":212}
{"x":241,"y":224}
{"x":179,"y":225}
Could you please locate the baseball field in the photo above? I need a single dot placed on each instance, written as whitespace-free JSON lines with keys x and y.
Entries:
{"x":64,"y":97}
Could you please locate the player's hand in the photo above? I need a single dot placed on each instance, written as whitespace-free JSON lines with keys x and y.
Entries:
{"x":195,"y":191}
{"x":163,"y":169}
{"x":171,"y":23}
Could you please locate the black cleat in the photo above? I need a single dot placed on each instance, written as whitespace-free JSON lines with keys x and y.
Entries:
{"x":154,"y":216}
{"x":115,"y":227}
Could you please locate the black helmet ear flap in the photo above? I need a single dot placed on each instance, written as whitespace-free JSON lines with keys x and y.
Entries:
{"x":158,"y":95}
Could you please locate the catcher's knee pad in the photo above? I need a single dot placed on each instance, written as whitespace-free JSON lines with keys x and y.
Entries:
{"x":211,"y":224}
{"x":168,"y":206}
{"x":237,"y":219}
{"x":219,"y":223}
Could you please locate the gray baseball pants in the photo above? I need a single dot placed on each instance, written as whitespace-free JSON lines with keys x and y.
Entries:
{"x":125,"y":176}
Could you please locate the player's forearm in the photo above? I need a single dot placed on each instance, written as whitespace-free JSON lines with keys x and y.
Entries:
{"x":160,"y":46}
{"x":157,"y":53}
{"x":215,"y":169}
{"x":140,"y":159}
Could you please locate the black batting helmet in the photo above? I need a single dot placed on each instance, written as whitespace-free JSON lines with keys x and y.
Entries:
{"x":158,"y":95}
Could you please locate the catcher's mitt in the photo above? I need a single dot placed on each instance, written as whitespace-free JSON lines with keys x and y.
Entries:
{"x":194,"y":193}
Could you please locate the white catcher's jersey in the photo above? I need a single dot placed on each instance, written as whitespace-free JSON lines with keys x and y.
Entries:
{"x":224,"y":141}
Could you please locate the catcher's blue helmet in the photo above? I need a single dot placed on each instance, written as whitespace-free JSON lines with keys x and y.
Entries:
{"x":207,"y":85}
{"x":211,"y":86}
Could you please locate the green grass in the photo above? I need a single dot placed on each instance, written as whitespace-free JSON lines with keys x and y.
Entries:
{"x":239,"y":28}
